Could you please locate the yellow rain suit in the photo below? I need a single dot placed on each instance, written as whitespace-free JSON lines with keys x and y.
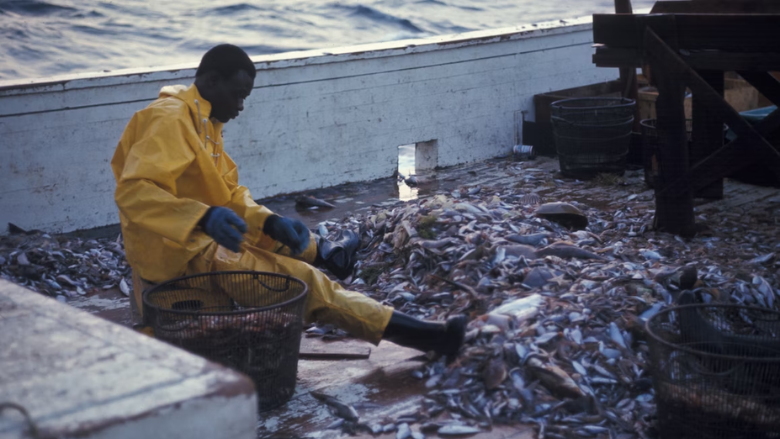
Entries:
{"x":170,"y":167}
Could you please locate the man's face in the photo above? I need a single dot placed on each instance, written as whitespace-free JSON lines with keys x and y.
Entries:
{"x":228,"y":94}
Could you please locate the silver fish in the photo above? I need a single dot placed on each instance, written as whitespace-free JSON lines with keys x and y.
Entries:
{"x":339,"y":408}
{"x":457,"y":430}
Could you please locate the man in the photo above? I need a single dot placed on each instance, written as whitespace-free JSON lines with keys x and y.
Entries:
{"x":183,"y":212}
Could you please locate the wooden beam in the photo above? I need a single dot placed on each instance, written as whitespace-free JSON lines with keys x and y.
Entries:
{"x":736,"y":33}
{"x":708,"y":126}
{"x":758,"y":147}
{"x":700,"y":60}
{"x":716,"y":7}
{"x":617,"y":57}
{"x":731,"y":61}
{"x":730,"y":158}
{"x":765,"y":83}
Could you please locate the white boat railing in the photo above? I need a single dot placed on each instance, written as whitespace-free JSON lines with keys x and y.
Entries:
{"x":314,"y":119}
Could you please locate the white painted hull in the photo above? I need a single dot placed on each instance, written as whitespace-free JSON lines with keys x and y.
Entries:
{"x":315,"y":118}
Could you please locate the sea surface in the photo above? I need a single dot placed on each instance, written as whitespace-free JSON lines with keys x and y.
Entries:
{"x":46,"y":38}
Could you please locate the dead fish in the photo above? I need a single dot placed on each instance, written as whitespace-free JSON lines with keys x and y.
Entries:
{"x":554,"y":378}
{"x":650,"y":312}
{"x":650,"y":254}
{"x":403,"y":431}
{"x":429,"y":244}
{"x":565,"y":250}
{"x":763,"y":259}
{"x":494,"y":373}
{"x":520,"y":250}
{"x":21,"y":259}
{"x":340,"y":409}
{"x":309,"y":201}
{"x":335,"y":424}
{"x":457,"y":430}
{"x":616,"y":336}
{"x":533,"y":239}
{"x":124,"y":288}
{"x":537,"y":277}
{"x":322,"y":230}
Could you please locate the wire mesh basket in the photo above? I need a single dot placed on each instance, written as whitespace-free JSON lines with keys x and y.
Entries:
{"x":716,"y":371}
{"x":245,"y":320}
{"x":592,"y":135}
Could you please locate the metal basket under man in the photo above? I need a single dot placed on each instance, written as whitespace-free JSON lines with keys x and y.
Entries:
{"x":592,"y":135}
{"x":246,"y":320}
{"x":716,"y":371}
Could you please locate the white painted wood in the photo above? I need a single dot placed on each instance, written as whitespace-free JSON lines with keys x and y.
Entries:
{"x":314,"y":119}
{"x":81,"y":376}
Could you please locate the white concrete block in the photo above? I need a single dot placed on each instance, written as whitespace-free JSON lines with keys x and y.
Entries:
{"x":80,"y":376}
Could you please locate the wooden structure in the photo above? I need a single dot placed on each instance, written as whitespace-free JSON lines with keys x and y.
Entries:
{"x":688,"y":45}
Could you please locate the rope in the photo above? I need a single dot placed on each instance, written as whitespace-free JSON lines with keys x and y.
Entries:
{"x":11,"y":405}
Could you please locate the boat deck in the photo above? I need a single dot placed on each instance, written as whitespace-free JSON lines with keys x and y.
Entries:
{"x":382,"y":386}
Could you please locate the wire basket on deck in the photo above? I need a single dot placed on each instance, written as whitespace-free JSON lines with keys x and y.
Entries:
{"x":716,"y":371}
{"x":245,"y":320}
{"x":592,"y":135}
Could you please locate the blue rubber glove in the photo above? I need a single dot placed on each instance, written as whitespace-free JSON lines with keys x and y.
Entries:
{"x":225,"y":226}
{"x":290,"y":232}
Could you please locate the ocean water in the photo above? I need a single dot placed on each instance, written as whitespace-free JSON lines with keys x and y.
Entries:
{"x":44,"y":38}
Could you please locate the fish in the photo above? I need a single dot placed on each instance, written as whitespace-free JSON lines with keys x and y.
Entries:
{"x":554,"y":378}
{"x":307,"y":201}
{"x":403,"y":432}
{"x":494,"y":373}
{"x":340,"y":409}
{"x":567,"y":251}
{"x":457,"y":430}
{"x":532,"y":239}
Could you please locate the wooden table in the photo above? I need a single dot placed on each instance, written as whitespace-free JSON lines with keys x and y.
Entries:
{"x":691,"y":45}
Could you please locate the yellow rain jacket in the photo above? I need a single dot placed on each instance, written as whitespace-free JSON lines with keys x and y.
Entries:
{"x":170,"y":167}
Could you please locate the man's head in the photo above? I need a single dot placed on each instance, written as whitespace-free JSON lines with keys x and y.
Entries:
{"x":225,"y":78}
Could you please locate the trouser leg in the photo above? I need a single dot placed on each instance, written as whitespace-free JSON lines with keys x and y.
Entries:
{"x":327,"y":301}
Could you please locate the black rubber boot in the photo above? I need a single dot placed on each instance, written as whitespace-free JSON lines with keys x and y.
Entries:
{"x":445,"y":338}
{"x":338,"y":256}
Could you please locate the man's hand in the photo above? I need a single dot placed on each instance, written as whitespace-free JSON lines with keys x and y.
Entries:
{"x":225,"y":226}
{"x":290,"y":232}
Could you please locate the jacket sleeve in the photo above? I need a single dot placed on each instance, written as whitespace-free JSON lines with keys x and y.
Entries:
{"x":146,"y":191}
{"x":242,"y":203}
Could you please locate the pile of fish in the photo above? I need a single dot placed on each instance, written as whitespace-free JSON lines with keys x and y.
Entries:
{"x":557,"y":295}
{"x":60,"y":267}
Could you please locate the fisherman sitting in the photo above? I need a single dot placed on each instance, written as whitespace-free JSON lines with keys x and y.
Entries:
{"x":183,"y":212}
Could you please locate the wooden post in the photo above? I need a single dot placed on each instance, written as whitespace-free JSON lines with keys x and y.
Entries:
{"x":707,"y":130}
{"x":628,"y":74}
{"x":673,"y":210}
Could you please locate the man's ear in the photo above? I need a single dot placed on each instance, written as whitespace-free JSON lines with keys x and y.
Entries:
{"x":212,"y":79}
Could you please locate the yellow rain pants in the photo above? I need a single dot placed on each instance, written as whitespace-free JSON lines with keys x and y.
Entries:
{"x":170,"y":167}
